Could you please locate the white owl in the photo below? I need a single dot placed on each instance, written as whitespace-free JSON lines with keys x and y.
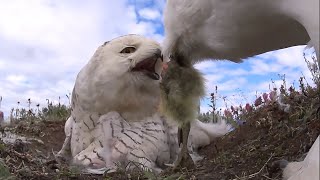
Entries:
{"x":115,"y":114}
{"x":226,"y":29}
{"x":237,"y":29}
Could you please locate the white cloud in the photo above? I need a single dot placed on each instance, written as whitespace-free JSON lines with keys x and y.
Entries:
{"x":290,"y":57}
{"x":232,"y":84}
{"x":44,"y":43}
{"x":261,"y":67}
{"x":150,"y":14}
{"x":38,"y":23}
{"x":206,"y":65}
{"x":16,"y":78}
{"x":205,"y":108}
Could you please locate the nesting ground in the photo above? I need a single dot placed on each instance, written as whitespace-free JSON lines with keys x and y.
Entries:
{"x":248,"y":152}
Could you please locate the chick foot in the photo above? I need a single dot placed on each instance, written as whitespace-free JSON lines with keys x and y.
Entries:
{"x":184,"y":159}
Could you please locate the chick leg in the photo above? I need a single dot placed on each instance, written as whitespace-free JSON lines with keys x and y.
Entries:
{"x":64,"y":155}
{"x":184,"y":158}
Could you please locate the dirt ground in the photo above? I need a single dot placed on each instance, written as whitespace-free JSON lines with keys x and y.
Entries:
{"x":253,"y":148}
{"x":248,"y":152}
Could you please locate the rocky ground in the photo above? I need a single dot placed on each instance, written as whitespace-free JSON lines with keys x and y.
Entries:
{"x":248,"y":152}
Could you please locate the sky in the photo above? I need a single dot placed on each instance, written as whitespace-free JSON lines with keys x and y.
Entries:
{"x":45,"y":43}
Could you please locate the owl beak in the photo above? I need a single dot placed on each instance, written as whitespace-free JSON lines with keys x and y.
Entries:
{"x":152,"y":66}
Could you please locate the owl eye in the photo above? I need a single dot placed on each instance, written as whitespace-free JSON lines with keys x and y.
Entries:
{"x":128,"y":50}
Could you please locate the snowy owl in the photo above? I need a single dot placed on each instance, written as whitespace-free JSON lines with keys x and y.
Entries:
{"x":232,"y":30}
{"x":237,"y":29}
{"x":115,"y":114}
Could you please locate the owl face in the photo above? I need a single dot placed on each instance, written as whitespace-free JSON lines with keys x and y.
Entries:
{"x":122,"y":75}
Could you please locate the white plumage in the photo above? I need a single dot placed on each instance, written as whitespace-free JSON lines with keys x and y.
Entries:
{"x":237,"y":29}
{"x":115,"y":115}
{"x":308,"y":169}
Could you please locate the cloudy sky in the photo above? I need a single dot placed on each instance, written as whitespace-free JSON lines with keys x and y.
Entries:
{"x":44,"y":44}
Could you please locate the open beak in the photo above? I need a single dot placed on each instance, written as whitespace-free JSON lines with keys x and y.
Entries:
{"x":151,"y":67}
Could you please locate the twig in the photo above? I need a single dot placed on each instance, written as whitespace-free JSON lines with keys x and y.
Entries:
{"x":253,"y":175}
{"x":20,"y":165}
{"x":140,"y":168}
{"x":8,"y":159}
{"x":266,"y":177}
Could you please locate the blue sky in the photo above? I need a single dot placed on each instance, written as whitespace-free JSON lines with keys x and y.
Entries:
{"x":44,"y":44}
